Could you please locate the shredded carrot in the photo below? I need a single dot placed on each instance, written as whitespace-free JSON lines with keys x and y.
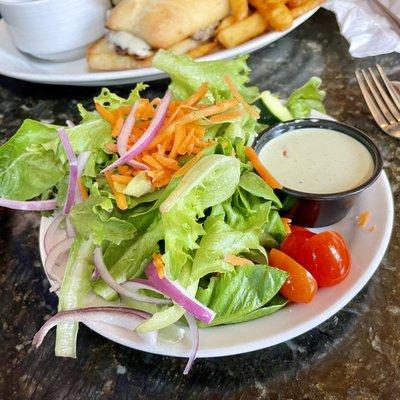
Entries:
{"x":163,"y":134}
{"x":161,"y":149}
{"x":107,"y":115}
{"x":111,"y":147}
{"x":121,"y":179}
{"x":124,"y":110}
{"x":286,"y":223}
{"x":363,"y":218}
{"x":262,"y":171}
{"x":156,"y":175}
{"x":124,"y":170}
{"x":188,"y":165}
{"x":166,"y":143}
{"x":198,"y":94}
{"x":155,"y":102}
{"x":179,"y":136}
{"x":83,"y":190}
{"x":190,"y":148}
{"x":159,"y":263}
{"x":120,"y":198}
{"x":226,"y":117}
{"x":197,"y":150}
{"x":179,"y":112}
{"x":150,"y":161}
{"x":167,"y":162}
{"x":206,"y":112}
{"x":237,"y":261}
{"x":251,"y":110}
{"x":117,"y":127}
{"x":162,"y":182}
{"x":184,"y":145}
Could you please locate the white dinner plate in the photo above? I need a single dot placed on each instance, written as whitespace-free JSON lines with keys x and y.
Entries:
{"x":367,"y":249}
{"x":18,"y":65}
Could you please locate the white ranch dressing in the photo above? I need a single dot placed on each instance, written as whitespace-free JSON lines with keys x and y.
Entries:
{"x":317,"y":160}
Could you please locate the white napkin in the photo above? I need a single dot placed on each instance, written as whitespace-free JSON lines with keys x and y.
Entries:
{"x":366,"y":27}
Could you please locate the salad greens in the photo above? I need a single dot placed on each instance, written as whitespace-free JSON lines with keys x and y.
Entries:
{"x":202,"y":223}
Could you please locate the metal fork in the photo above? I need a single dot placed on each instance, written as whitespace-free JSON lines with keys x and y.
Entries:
{"x":382,"y":99}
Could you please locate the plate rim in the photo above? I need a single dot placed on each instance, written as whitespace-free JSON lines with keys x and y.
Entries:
{"x":113,"y":77}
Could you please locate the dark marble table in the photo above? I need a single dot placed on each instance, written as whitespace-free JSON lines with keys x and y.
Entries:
{"x":354,"y":355}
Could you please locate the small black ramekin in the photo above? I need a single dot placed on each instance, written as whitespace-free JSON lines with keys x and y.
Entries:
{"x":317,"y":210}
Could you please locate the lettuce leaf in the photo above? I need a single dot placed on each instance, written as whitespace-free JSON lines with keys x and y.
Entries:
{"x":112,"y":101}
{"x":33,"y":161}
{"x":128,"y":259}
{"x":274,"y":227}
{"x":27,"y":168}
{"x":219,"y":240}
{"x":94,"y":217}
{"x":272,"y":306}
{"x":235,"y":296}
{"x":187,"y":75}
{"x":255,"y":185}
{"x":74,"y":287}
{"x":306,"y":98}
{"x":210,"y":181}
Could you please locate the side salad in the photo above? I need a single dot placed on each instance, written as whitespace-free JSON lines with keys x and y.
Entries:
{"x":164,"y":210}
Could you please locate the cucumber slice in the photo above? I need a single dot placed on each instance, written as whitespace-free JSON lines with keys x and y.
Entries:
{"x":272,"y":110}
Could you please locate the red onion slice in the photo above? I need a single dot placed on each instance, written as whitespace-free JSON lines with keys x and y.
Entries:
{"x":33,"y":205}
{"x":128,"y":289}
{"x":124,"y":336}
{"x":194,"y":335}
{"x":53,"y":255}
{"x":82,"y":160}
{"x":147,"y":136}
{"x":73,"y":170}
{"x":137,"y":165}
{"x":69,"y":228}
{"x":123,"y":137}
{"x":48,"y":239}
{"x":134,"y":286}
{"x":124,"y":317}
{"x":179,"y":295}
{"x":69,"y":123}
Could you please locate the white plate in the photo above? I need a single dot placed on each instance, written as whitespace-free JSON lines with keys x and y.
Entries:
{"x":367,"y":250}
{"x":18,"y":65}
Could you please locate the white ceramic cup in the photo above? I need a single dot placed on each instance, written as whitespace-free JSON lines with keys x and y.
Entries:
{"x":57,"y":30}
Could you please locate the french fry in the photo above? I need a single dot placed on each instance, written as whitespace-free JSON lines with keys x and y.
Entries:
{"x":295,"y":3}
{"x":184,"y":46}
{"x":239,"y":9}
{"x":279,"y":17}
{"x":243,"y":30}
{"x":305,"y":7}
{"x":202,"y":50}
{"x":277,"y":14}
{"x":227,"y":21}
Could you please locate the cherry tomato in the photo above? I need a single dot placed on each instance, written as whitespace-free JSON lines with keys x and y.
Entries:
{"x":295,"y":228}
{"x":300,"y":287}
{"x":295,"y":241}
{"x":326,"y":256}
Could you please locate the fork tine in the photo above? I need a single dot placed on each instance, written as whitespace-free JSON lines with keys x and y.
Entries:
{"x":376,"y":113}
{"x":390,"y":88}
{"x":377,"y":97}
{"x":389,"y":102}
